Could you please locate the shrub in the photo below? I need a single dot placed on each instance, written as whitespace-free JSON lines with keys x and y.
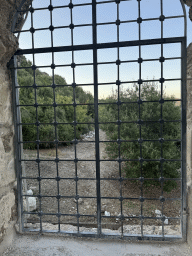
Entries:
{"x":45,"y":114}
{"x":149,"y":131}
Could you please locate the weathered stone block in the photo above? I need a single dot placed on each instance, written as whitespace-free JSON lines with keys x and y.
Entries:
{"x":2,"y":48}
{"x":6,"y":116}
{"x":188,"y":2}
{"x":6,"y":204}
{"x":7,"y":170}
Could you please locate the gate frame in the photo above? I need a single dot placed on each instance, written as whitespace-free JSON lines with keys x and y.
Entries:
{"x":95,"y":46}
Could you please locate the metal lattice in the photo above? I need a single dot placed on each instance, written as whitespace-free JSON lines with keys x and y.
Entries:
{"x":118,"y":44}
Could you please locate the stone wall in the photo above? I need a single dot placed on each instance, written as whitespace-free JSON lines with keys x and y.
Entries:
{"x":8,"y":45}
{"x":189,"y":3}
{"x":189,"y":139}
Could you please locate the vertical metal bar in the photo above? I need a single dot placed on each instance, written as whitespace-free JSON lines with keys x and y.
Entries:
{"x":16,"y":117}
{"x":55,"y":120}
{"x":75,"y":121}
{"x":183,"y":131}
{"x":185,"y":18}
{"x":161,"y":125}
{"x":140,"y":76}
{"x":119,"y":125}
{"x":94,"y":23}
{"x":37,"y":124}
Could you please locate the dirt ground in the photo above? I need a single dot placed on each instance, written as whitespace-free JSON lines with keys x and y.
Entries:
{"x":85,"y":187}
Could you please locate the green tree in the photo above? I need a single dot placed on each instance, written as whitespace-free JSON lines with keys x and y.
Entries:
{"x":44,"y":95}
{"x":149,"y":111}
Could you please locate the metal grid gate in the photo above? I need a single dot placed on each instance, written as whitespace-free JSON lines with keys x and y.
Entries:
{"x":95,"y":47}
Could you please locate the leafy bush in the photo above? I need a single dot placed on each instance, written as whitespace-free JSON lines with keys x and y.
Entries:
{"x":149,"y":131}
{"x":45,"y":114}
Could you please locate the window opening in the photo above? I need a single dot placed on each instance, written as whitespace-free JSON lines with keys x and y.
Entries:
{"x":104,"y":142}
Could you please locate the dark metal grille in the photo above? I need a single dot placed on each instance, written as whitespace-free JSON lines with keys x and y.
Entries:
{"x":118,"y":44}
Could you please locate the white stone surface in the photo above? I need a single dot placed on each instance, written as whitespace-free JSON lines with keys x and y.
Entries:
{"x":107,"y":213}
{"x":32,"y":204}
{"x":158,"y":212}
{"x":30,"y":192}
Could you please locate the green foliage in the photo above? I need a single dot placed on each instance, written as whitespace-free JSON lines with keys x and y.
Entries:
{"x":44,"y":95}
{"x":149,"y":131}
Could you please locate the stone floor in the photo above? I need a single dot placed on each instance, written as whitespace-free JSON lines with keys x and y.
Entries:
{"x":46,"y":245}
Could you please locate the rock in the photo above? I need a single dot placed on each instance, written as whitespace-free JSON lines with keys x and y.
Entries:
{"x":30,"y":192}
{"x":188,"y":2}
{"x":80,"y":201}
{"x":157,"y":212}
{"x":32,"y":204}
{"x":33,"y":188}
{"x":103,"y":208}
{"x":2,"y":47}
{"x":107,"y":213}
{"x":31,"y":201}
{"x":88,"y":136}
{"x":118,"y":215}
{"x":166,"y":222}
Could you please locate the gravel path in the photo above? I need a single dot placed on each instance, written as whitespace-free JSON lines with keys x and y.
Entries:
{"x":87,"y":188}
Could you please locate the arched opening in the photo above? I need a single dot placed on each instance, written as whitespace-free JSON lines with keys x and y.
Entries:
{"x":116,"y":71}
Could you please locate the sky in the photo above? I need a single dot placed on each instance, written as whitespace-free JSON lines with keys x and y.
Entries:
{"x":107,"y":12}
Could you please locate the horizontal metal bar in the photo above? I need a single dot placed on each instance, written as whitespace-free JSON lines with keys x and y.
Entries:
{"x":122,"y":122}
{"x":122,"y":179}
{"x":131,"y":21}
{"x":42,"y":178}
{"x":98,"y":24}
{"x":136,"y":81}
{"x":137,"y":160}
{"x":73,"y":197}
{"x":57,"y":85}
{"x":60,"y":160}
{"x":100,"y":46}
{"x":62,"y":214}
{"x":136,"y":102}
{"x":136,"y":198}
{"x":47,"y":28}
{"x":58,"y":105}
{"x":56,"y":66}
{"x":103,"y":216}
{"x":93,"y":141}
{"x":58,"y":7}
{"x":51,"y":123}
{"x":99,"y":63}
{"x":61,"y":142}
{"x":101,"y":160}
{"x":89,"y":104}
{"x":108,"y":83}
{"x":127,"y":236}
